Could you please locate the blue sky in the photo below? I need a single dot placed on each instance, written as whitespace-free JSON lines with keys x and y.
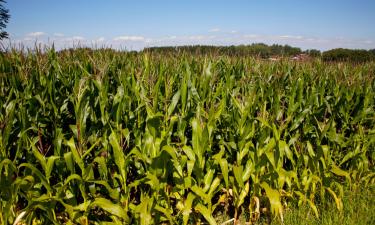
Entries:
{"x":139,"y":23}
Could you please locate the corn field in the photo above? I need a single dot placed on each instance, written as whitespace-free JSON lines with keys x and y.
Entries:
{"x":106,"y":137}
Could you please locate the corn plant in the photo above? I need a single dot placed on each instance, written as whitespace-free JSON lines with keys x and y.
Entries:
{"x":100,"y":136}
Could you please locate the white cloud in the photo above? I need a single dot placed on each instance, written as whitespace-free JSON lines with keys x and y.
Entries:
{"x":36,"y":34}
{"x":148,"y":40}
{"x":201,"y":37}
{"x":101,"y":39}
{"x":251,"y":36}
{"x":129,"y":38}
{"x":173,"y":37}
{"x":134,"y":42}
{"x":78,"y":38}
{"x":68,"y":40}
{"x":310,"y":39}
{"x":214,"y":30}
{"x":290,"y":37}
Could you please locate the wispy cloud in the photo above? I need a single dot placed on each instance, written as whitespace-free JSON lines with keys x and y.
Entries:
{"x":101,"y":39}
{"x":36,"y":34}
{"x":290,"y":37}
{"x":73,"y":39}
{"x":201,"y":37}
{"x":250,"y":35}
{"x":78,"y":38}
{"x":368,"y":42}
{"x":137,"y":42}
{"x":129,"y":38}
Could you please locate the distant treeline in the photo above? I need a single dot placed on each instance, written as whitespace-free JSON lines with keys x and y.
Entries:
{"x":351,"y":55}
{"x":259,"y":50}
{"x":266,"y":51}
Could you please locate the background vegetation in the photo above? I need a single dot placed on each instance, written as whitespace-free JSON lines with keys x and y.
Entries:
{"x":4,"y":19}
{"x":261,"y":50}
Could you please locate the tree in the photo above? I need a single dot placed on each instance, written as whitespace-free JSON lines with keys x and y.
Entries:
{"x":313,"y":53}
{"x":372,"y":52}
{"x":4,"y":18}
{"x":347,"y":55}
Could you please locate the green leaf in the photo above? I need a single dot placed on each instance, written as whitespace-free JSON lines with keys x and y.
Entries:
{"x":283,"y":146}
{"x":224,"y":170}
{"x":118,"y":156}
{"x":68,"y":157}
{"x":49,"y":167}
{"x":174,"y":102}
{"x":205,"y":213}
{"x":189,"y":152}
{"x":76,"y":155}
{"x":310,"y":149}
{"x":214,"y":186}
{"x":108,"y":206}
{"x":37,"y":172}
{"x":337,"y":199}
{"x":248,"y":170}
{"x":113,"y":193}
{"x":241,"y":197}
{"x":237,"y":170}
{"x":200,"y":192}
{"x":339,"y":172}
{"x":208,"y":179}
{"x":187,"y":208}
{"x":313,"y":207}
{"x":274,"y":197}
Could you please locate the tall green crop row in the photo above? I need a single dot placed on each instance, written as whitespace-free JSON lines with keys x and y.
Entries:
{"x":102,"y":136}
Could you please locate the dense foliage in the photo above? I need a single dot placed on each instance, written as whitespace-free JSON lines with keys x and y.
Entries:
{"x":4,"y":18}
{"x":259,"y":50}
{"x":141,"y":138}
{"x":266,"y":51}
{"x":349,"y":55}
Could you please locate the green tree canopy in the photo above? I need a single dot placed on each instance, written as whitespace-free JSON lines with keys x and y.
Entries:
{"x":4,"y":18}
{"x":351,"y":55}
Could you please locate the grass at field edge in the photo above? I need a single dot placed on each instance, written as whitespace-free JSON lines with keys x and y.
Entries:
{"x":358,"y":209}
